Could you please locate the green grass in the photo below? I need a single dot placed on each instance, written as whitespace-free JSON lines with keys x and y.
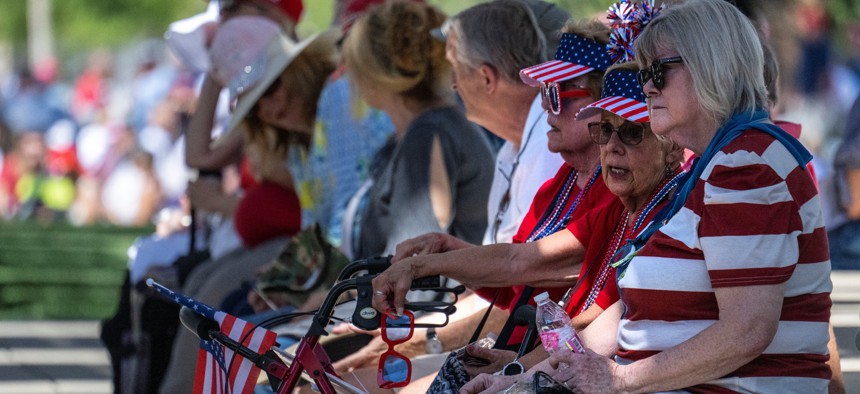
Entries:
{"x":62,"y":272}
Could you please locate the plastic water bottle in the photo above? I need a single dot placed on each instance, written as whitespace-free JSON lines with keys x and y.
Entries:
{"x":554,"y":326}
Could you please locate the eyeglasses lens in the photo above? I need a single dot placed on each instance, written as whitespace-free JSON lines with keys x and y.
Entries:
{"x":395,"y":369}
{"x":643,"y":76}
{"x":397,"y":328}
{"x":554,"y":100}
{"x":629,"y":133}
{"x":655,"y":72}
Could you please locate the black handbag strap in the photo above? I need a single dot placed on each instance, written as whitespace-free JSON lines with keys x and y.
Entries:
{"x":508,"y":329}
{"x":477,"y":334}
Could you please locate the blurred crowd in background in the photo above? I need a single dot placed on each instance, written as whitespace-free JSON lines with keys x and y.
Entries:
{"x":107,"y":145}
{"x":97,"y":148}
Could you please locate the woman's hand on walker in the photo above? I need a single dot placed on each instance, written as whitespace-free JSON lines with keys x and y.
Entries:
{"x":391,"y":286}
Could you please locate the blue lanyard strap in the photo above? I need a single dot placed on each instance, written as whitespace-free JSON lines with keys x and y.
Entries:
{"x":732,"y":129}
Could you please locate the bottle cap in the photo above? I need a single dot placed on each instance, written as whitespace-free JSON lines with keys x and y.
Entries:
{"x":542,"y":296}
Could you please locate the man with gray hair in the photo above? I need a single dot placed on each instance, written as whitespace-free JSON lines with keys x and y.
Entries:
{"x":487,"y":45}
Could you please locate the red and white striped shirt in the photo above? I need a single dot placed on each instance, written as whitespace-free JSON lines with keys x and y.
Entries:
{"x":753,"y":218}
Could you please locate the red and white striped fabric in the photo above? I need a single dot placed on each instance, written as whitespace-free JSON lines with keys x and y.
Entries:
{"x":213,"y":359}
{"x":632,"y":110}
{"x":753,"y":218}
{"x":552,"y":71}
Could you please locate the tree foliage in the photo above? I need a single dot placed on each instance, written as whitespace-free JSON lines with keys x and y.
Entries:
{"x":85,"y":24}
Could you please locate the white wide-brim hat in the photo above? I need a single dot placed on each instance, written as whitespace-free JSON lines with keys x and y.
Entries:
{"x":186,"y":38}
{"x":279,"y":54}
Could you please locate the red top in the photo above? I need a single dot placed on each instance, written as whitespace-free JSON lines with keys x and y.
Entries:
{"x":267,"y":211}
{"x":598,"y":197}
{"x":246,"y":178}
{"x":596,"y":231}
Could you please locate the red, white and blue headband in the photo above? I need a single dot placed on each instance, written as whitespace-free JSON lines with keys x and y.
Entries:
{"x":622,"y":95}
{"x":575,"y":56}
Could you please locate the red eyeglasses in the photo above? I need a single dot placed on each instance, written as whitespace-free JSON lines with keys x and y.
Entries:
{"x":395,"y":369}
{"x":552,"y":93}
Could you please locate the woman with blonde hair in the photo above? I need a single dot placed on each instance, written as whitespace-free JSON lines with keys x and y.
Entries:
{"x":277,"y":94}
{"x":434,"y":173}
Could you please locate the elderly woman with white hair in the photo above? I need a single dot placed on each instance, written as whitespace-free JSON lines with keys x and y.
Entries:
{"x":732,"y":292}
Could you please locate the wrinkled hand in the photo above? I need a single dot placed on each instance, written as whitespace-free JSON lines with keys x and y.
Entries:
{"x":390,"y":287}
{"x":368,"y":356}
{"x":586,"y":372}
{"x":425,"y":244}
{"x":485,"y":383}
{"x":498,"y":358}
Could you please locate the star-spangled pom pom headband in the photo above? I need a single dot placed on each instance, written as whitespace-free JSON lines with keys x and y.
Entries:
{"x":647,"y":12}
{"x":621,"y":93}
{"x":623,"y":13}
{"x":627,"y":20}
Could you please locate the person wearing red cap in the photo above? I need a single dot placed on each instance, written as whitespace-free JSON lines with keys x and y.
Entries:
{"x":286,"y":13}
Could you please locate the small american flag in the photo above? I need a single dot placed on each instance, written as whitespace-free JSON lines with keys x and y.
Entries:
{"x":213,"y":359}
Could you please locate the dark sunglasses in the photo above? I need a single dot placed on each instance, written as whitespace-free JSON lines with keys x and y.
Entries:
{"x":552,"y":93}
{"x":630,"y":133}
{"x":655,"y":72}
{"x":395,"y":369}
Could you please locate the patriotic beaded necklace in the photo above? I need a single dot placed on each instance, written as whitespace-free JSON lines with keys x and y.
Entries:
{"x":660,"y":194}
{"x":552,"y":222}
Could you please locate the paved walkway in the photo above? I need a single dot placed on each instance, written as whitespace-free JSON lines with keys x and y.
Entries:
{"x":53,"y":357}
{"x":48,"y":357}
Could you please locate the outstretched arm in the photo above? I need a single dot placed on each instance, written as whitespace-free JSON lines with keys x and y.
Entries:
{"x":553,"y":261}
{"x":429,"y":243}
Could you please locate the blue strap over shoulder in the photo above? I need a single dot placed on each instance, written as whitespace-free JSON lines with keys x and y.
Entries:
{"x":733,"y":128}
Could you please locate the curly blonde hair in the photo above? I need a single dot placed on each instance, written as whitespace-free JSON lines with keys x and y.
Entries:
{"x":390,"y":47}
